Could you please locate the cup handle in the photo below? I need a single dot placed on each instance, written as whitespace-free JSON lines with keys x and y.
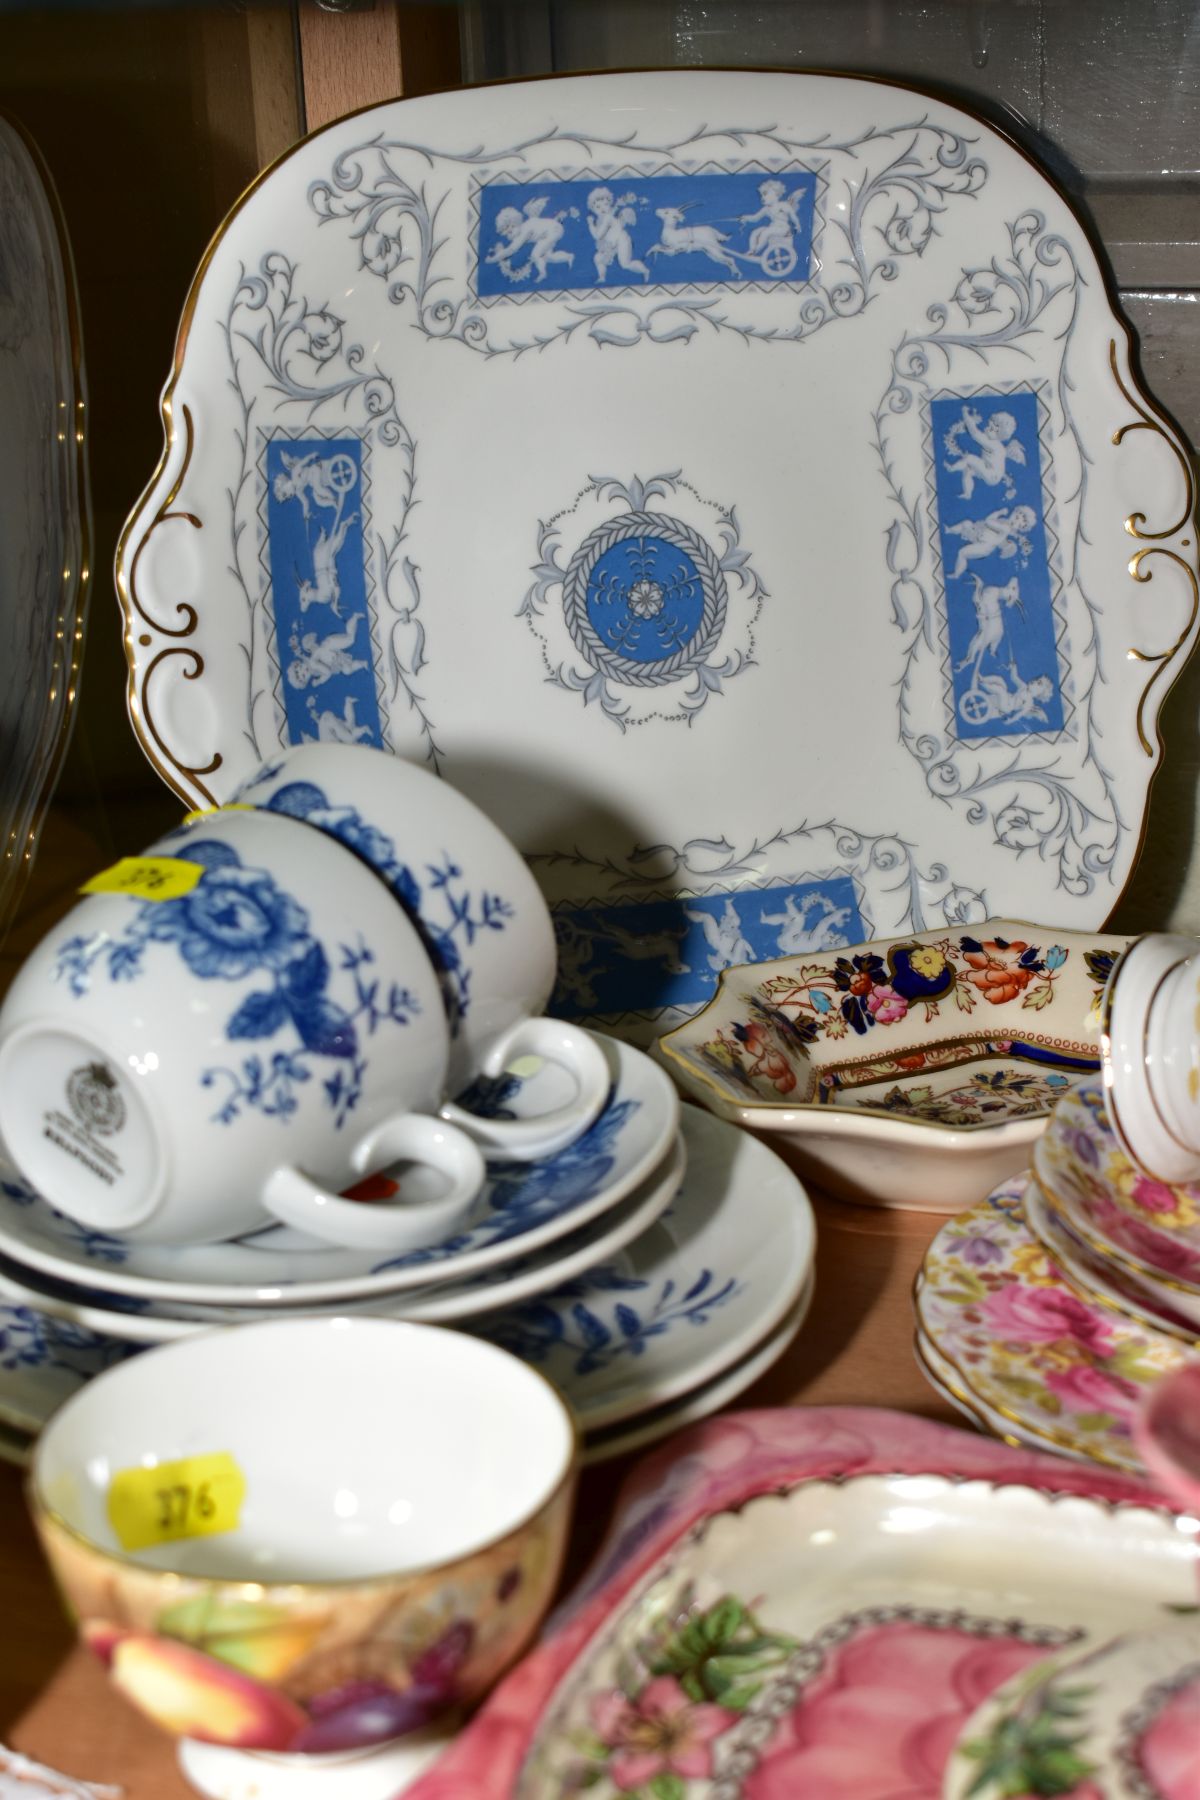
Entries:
{"x":523,"y":1140}
{"x":294,"y":1198}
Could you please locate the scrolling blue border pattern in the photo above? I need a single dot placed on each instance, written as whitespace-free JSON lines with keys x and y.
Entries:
{"x":657,"y":928}
{"x":404,"y":204}
{"x":993,"y":520}
{"x":323,"y":620}
{"x":297,"y":377}
{"x":604,"y":229}
{"x":1032,"y":772}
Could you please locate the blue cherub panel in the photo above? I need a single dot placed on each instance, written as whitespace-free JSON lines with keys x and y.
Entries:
{"x":319,"y":590}
{"x":627,"y":230}
{"x":639,"y":956}
{"x":997,"y":580}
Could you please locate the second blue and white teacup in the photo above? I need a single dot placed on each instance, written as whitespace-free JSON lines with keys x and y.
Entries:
{"x":480,"y":913}
{"x":238,"y":1026}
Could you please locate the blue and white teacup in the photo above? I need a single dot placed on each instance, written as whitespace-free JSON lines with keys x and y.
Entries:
{"x":481,"y":915}
{"x":243,"y":1026}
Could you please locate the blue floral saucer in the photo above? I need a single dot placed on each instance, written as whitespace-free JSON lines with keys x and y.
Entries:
{"x":703,"y":1287}
{"x":522,"y":1207}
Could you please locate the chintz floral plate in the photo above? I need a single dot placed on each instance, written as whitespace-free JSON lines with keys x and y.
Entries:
{"x":1098,"y":1277}
{"x":527,"y":431}
{"x":44,"y":516}
{"x":723,"y":1266}
{"x":1147,"y":1228}
{"x":1120,"y":1721}
{"x":522,"y":1207}
{"x":911,"y":1071}
{"x":1015,"y":1335}
{"x":814,"y":1602}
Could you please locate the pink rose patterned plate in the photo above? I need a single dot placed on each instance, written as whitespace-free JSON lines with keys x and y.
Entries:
{"x":1121,"y":1722}
{"x":1145,"y":1226}
{"x":1019,"y":1338}
{"x":1099,"y":1278}
{"x":815,"y":1601}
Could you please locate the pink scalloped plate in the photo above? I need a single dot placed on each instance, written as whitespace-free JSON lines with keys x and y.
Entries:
{"x":813,"y":1601}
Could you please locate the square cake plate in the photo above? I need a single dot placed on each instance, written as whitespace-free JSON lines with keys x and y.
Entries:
{"x":912,"y":1072}
{"x":736,"y":483}
{"x":813,"y":1601}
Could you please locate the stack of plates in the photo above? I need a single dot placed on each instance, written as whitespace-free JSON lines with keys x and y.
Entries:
{"x":649,"y":1296}
{"x":1049,"y":1309}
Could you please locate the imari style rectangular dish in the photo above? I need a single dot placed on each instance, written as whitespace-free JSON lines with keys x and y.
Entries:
{"x":736,"y":483}
{"x":910,"y":1071}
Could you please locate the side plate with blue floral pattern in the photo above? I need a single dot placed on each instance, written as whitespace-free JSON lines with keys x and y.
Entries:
{"x":522,"y":1207}
{"x":735,"y":482}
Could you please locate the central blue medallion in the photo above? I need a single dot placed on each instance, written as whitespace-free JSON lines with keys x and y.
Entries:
{"x":645,"y":599}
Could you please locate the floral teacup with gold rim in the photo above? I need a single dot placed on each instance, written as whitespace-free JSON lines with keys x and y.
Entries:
{"x":913,"y":1071}
{"x":294,"y":1544}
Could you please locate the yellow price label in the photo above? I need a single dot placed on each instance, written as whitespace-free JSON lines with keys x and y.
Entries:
{"x":197,"y":1496}
{"x":147,"y":878}
{"x":209,"y":812}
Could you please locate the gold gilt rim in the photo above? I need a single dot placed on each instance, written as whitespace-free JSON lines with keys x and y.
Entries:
{"x":1047,"y":1433}
{"x":1082,"y":1284}
{"x":944,"y":1385}
{"x":1151,"y":416}
{"x":562,"y":1490}
{"x":76,"y":589}
{"x":1101,"y":1247}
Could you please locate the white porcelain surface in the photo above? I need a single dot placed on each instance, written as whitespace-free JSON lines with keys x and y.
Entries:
{"x":182,"y":1070}
{"x":724,"y":1265}
{"x":578,"y":507}
{"x":455,"y":1405}
{"x":520,"y":1209}
{"x":481,"y":915}
{"x":701,"y":1402}
{"x":912,"y":1072}
{"x":44,"y":513}
{"x":156,"y":1322}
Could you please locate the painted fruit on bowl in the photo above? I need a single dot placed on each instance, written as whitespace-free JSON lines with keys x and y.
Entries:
{"x":309,"y":1668}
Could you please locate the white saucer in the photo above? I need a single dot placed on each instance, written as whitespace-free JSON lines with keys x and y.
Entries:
{"x":523,"y":1207}
{"x":697,"y":1292}
{"x":148,"y":1322}
{"x":702,"y":1402}
{"x":43,"y":1361}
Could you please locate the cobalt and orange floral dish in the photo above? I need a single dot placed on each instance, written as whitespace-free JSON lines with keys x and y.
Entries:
{"x":912,"y":325}
{"x":912,"y":1071}
{"x":1013,"y":1334}
{"x":816,"y":1602}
